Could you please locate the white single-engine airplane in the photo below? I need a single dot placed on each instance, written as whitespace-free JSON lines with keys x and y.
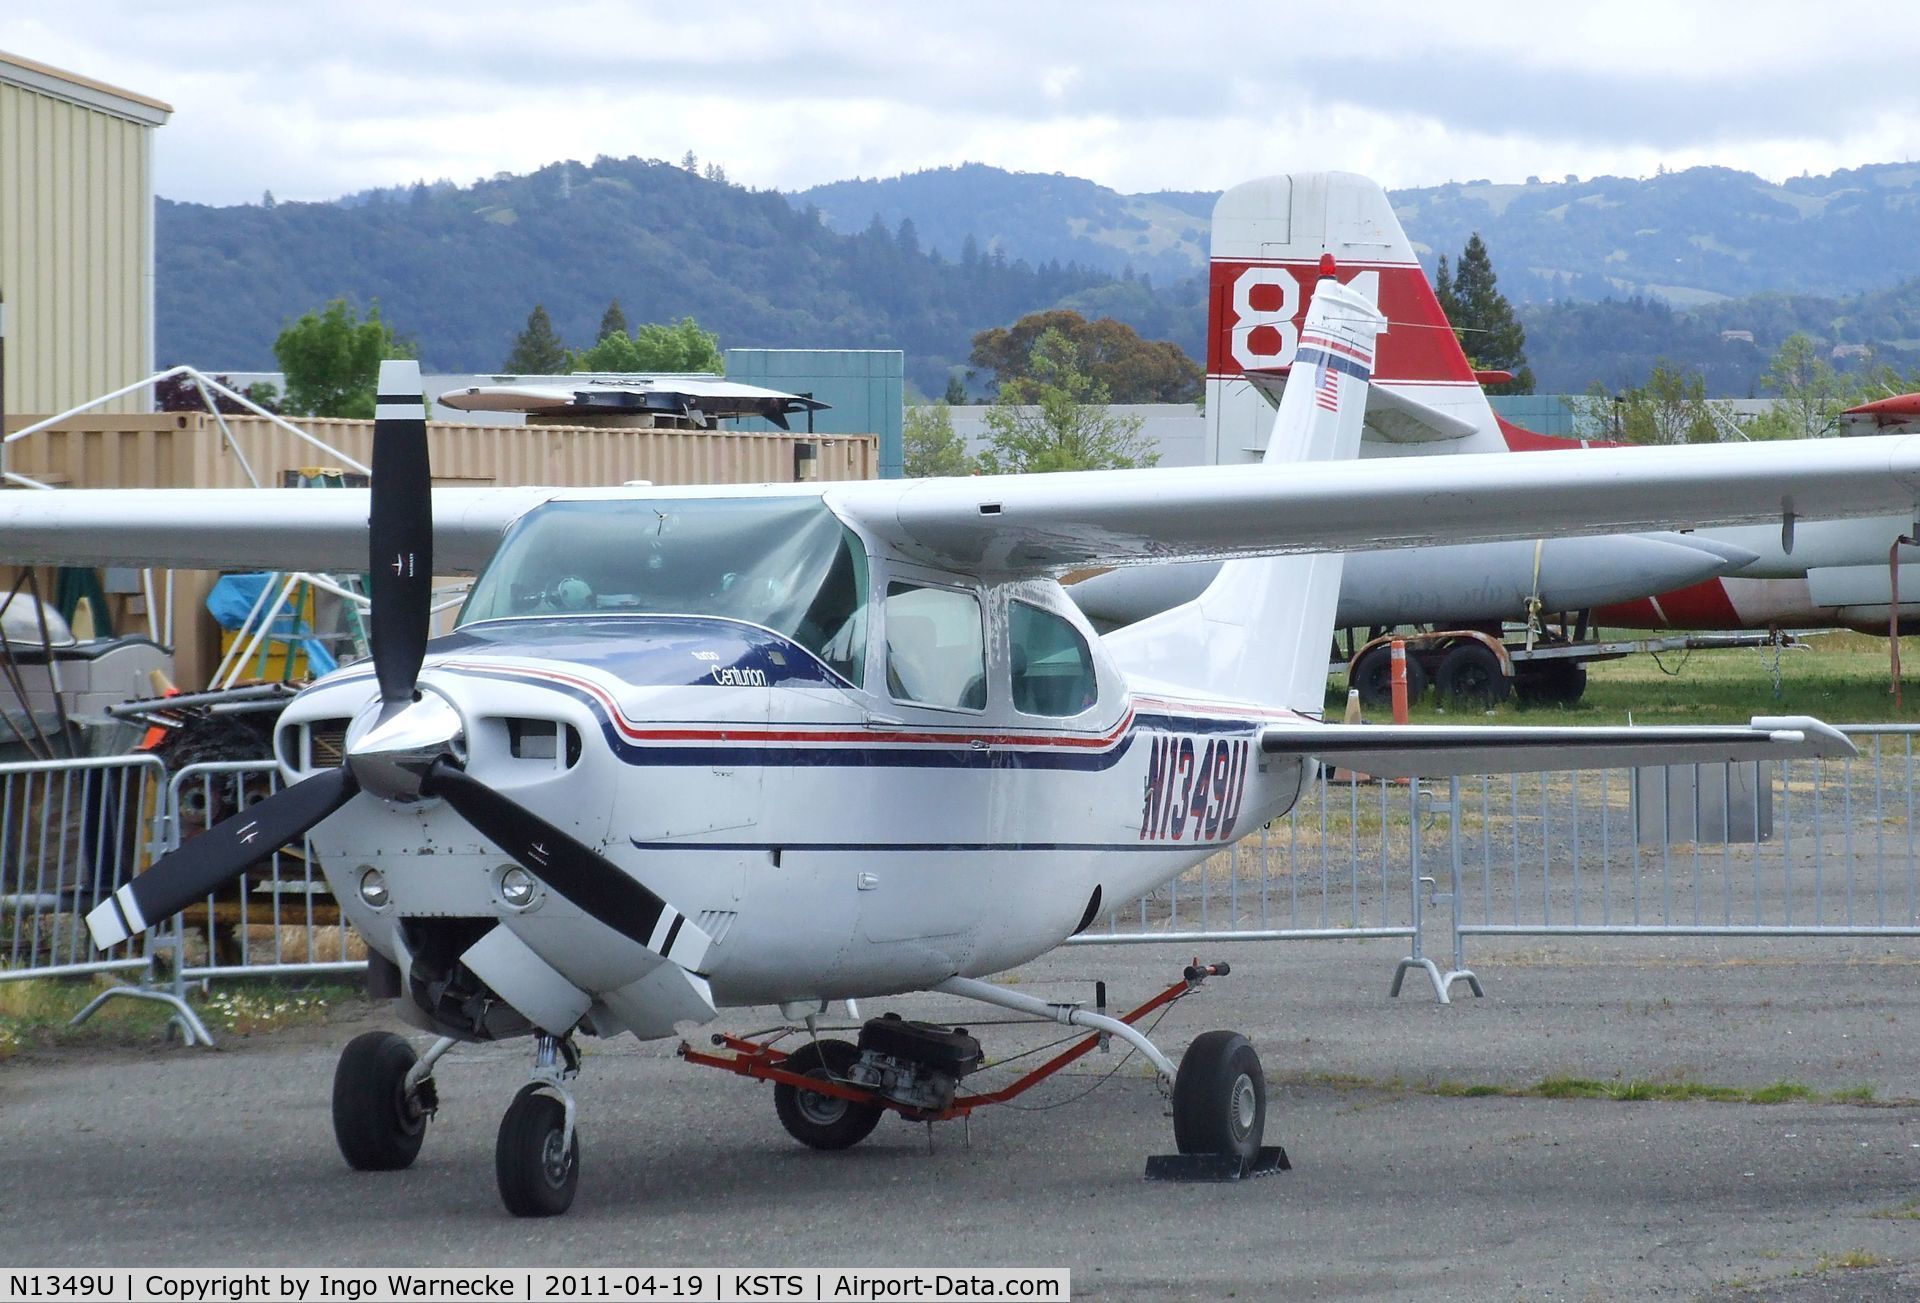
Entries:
{"x":706,"y":747}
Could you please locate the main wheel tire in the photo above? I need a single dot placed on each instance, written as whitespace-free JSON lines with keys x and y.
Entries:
{"x":1373,"y":676}
{"x":1551,"y":683}
{"x":537,"y":1178}
{"x":1470,"y":675}
{"x":823,"y":1121}
{"x":377,"y":1127}
{"x":1220,"y":1098}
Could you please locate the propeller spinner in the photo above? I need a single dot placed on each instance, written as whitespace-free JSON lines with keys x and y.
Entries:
{"x":408,"y":746}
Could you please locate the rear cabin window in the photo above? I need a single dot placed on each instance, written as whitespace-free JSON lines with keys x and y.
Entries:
{"x":936,"y":653}
{"x":1052,"y":667}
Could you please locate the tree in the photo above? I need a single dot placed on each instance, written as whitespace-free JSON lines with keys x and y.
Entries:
{"x":1810,"y":393}
{"x":682,"y":346}
{"x":690,"y":163}
{"x":1056,"y":419}
{"x":332,"y":360}
{"x":612,"y":322}
{"x":537,"y":350}
{"x":1672,"y":407}
{"x":181,"y":394}
{"x":932,"y":445}
{"x":1129,"y":368}
{"x":956,"y":395}
{"x":1483,"y":319}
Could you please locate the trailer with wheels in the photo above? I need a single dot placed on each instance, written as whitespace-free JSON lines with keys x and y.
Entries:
{"x":1480,"y":668}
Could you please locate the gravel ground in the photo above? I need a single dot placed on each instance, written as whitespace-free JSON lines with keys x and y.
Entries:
{"x":217,"y":1158}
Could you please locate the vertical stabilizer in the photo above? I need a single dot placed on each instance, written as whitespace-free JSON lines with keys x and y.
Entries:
{"x":1268,"y":238}
{"x":1262,"y":629}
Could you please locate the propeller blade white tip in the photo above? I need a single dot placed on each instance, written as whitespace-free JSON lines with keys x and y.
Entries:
{"x":399,"y":375}
{"x":103,"y":921}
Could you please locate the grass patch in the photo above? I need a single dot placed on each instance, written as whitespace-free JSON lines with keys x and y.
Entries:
{"x":35,"y":1012}
{"x":1838,"y":677}
{"x":1851,"y":1260}
{"x":245,"y":1010}
{"x":1619,"y":1091}
{"x":1906,"y":1212}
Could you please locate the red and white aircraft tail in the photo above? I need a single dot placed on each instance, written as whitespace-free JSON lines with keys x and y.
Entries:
{"x":1269,"y":237}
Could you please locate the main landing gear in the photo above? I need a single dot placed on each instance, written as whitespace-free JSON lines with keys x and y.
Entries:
{"x":830,"y":1094}
{"x":383,"y":1097}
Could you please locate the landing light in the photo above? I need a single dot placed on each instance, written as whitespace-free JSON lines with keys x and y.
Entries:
{"x":517,"y":887}
{"x":373,"y":888}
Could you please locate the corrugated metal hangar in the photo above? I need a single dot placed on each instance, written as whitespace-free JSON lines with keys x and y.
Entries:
{"x":76,"y":236}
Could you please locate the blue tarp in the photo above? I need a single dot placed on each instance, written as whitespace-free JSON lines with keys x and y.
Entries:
{"x":233,"y":598}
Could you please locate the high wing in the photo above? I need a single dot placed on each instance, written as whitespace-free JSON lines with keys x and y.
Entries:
{"x":1441,"y":750}
{"x":1052,"y":523}
{"x":1047,"y":524}
{"x":216,"y":529}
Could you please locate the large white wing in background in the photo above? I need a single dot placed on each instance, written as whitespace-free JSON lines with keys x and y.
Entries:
{"x":1041,"y":523}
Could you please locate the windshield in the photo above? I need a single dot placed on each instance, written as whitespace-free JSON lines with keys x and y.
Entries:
{"x":785,"y":563}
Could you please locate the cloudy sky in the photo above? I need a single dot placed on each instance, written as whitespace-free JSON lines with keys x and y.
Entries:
{"x":315,"y":100}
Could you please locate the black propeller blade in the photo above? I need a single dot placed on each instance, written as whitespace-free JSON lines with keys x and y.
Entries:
{"x":218,"y":855}
{"x":400,"y":533}
{"x":591,"y":881}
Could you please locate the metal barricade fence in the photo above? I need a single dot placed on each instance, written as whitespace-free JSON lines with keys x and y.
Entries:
{"x":280,"y":919}
{"x":1344,"y":864}
{"x":1799,"y":848}
{"x":71,"y":831}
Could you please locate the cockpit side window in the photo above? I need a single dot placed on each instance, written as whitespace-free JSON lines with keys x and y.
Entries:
{"x":936,"y":652}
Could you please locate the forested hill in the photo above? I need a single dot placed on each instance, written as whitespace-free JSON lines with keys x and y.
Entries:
{"x":459,"y":268}
{"x":1686,"y":237}
{"x":1031,"y":215}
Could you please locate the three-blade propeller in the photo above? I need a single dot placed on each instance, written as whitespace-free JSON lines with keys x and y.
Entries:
{"x":411,"y":749}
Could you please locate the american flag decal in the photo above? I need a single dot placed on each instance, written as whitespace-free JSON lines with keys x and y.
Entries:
{"x":1326,"y":394}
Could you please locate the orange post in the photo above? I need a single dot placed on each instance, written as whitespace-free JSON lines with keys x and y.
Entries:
{"x":1399,"y":680}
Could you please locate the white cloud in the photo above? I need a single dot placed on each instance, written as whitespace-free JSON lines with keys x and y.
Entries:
{"x":314,"y":101}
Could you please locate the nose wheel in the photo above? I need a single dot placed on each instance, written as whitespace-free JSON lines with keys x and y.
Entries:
{"x":536,"y":1156}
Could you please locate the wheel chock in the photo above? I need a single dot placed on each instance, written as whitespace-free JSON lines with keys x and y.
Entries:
{"x":1216,"y":1167}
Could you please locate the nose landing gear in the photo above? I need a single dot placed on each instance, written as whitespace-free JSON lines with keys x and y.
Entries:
{"x":536,"y":1156}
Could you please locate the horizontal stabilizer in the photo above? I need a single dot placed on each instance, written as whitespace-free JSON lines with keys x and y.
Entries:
{"x":1390,"y":414}
{"x":1444,"y":750}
